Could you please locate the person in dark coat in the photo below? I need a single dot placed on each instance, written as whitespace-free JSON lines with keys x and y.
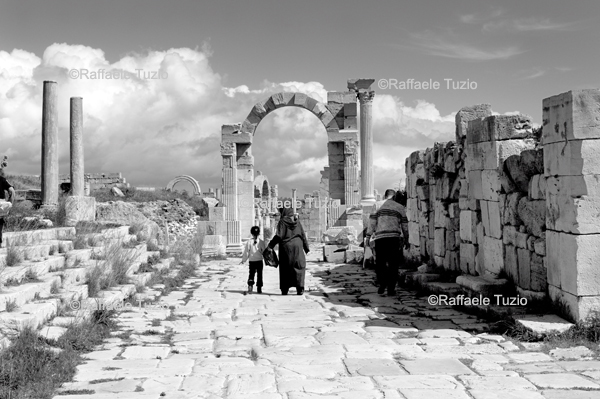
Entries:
{"x":5,"y":187}
{"x":292,"y":246}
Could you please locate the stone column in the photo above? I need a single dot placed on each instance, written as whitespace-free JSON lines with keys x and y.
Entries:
{"x":77,"y":168}
{"x":228,"y":152}
{"x":50,"y":146}
{"x":78,"y":207}
{"x":218,"y":194}
{"x":367,"y":184}
{"x":351,"y":189}
{"x":294,"y":199}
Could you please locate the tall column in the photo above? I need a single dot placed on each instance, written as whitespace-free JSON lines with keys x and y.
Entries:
{"x":230,"y":197}
{"x":228,"y":153}
{"x":77,"y":163}
{"x":50,"y":145}
{"x":351,"y":174}
{"x":365,"y":97}
{"x":294,"y":199}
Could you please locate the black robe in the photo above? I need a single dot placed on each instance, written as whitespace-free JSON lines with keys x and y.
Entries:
{"x":292,"y":245}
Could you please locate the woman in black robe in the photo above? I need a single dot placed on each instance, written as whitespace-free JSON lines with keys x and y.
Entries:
{"x":292,"y":245}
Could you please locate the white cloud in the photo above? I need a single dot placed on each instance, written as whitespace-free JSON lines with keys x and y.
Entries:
{"x":152,"y":130}
{"x":441,"y":46}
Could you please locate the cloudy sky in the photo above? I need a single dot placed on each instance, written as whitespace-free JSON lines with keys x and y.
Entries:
{"x":218,"y":58}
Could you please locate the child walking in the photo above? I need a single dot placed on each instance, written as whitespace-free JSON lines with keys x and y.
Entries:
{"x":253,"y":251}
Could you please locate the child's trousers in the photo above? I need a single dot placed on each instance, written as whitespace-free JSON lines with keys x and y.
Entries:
{"x":256,"y":267}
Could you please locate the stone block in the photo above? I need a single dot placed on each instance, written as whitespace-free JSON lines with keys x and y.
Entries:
{"x":467,"y":114}
{"x":354,"y":256}
{"x":475,"y":185}
{"x":511,"y":215}
{"x":539,"y":246}
{"x":539,"y":275}
{"x":490,"y":185}
{"x":579,"y":307}
{"x":78,"y":208}
{"x":572,"y":158}
{"x":499,"y":127}
{"x":328,"y":250}
{"x":493,"y":255}
{"x":413,"y":233}
{"x":480,"y":233}
{"x":340,"y":235}
{"x":439,"y":247}
{"x":533,"y":215}
{"x":468,"y":220}
{"x":454,"y":210}
{"x":574,"y":115}
{"x":524,"y":261}
{"x":511,"y":262}
{"x":521,"y":239}
{"x":509,"y":235}
{"x":490,"y":216}
{"x":572,"y":262}
{"x":350,"y":122}
{"x":537,"y":187}
{"x":468,"y":252}
{"x":573,"y":204}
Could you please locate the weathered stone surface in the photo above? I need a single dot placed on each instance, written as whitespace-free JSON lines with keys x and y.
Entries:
{"x":493,"y":255}
{"x":511,"y":205}
{"x":533,"y":215}
{"x":79,"y":209}
{"x":117,"y":192}
{"x":467,"y":114}
{"x":499,"y":127}
{"x":340,"y":235}
{"x":572,"y":262}
{"x":573,"y":158}
{"x":573,"y":204}
{"x":571,"y":116}
{"x":561,"y":381}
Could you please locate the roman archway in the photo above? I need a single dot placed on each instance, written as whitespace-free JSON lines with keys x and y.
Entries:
{"x":338,"y":116}
{"x":188,"y":179}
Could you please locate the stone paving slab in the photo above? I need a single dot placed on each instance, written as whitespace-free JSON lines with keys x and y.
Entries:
{"x":338,"y":340}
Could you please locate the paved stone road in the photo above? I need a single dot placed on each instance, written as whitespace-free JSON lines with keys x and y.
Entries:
{"x":338,"y":340}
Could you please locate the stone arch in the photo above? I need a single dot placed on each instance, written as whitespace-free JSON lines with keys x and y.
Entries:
{"x":280,"y":100}
{"x":187,"y":178}
{"x":261,"y":183}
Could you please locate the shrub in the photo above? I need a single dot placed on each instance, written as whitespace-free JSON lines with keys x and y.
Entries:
{"x":14,"y":255}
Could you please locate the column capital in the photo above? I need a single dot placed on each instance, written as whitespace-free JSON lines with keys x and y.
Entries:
{"x":228,"y":149}
{"x":366,"y":97}
{"x":349,"y":148}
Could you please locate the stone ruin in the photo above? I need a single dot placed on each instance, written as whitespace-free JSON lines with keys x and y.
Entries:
{"x":506,"y":203}
{"x":78,"y":206}
{"x":340,"y":178}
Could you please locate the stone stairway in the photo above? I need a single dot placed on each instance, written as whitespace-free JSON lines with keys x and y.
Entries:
{"x":43,"y":276}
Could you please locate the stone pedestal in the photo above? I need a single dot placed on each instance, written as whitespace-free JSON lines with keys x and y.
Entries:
{"x":50,"y":146}
{"x":79,"y":208}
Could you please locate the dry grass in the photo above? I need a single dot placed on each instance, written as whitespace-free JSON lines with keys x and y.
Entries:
{"x":29,"y":368}
{"x":14,"y":255}
{"x":111,"y":270}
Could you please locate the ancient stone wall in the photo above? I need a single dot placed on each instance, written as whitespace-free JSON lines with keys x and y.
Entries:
{"x":99,"y":180}
{"x":508,"y":201}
